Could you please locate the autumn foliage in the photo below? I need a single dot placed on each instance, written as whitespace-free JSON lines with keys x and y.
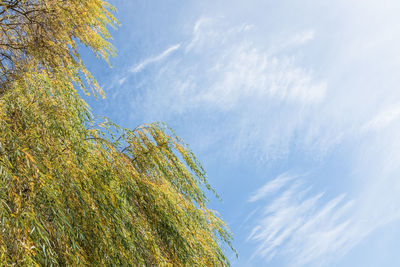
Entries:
{"x":77,"y":191}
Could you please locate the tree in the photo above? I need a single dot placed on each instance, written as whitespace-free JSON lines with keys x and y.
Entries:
{"x":79,"y":191}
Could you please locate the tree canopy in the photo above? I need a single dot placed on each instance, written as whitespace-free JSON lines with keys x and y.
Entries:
{"x":79,"y":191}
{"x":43,"y":34}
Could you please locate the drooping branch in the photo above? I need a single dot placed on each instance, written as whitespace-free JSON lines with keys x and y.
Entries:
{"x":43,"y":34}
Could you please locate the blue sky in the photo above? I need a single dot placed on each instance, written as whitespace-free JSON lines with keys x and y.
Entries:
{"x":293,"y":107}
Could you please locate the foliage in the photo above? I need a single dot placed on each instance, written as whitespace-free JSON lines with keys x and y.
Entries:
{"x":74,"y":192}
{"x":44,"y":33}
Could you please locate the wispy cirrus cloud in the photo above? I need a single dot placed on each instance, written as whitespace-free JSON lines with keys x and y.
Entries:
{"x":205,"y":33}
{"x":139,"y":67}
{"x":299,"y":225}
{"x":302,"y":37}
{"x":223,"y":71}
{"x":383,"y":119}
{"x":271,"y":187}
{"x":120,"y":79}
{"x":198,"y":33}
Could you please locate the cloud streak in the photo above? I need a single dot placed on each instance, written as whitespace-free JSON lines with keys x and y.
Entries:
{"x":139,"y":67}
{"x":271,"y":187}
{"x":300,"y":226}
{"x":383,"y":119}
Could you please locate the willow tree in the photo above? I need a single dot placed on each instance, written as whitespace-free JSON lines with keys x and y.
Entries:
{"x":77,"y":192}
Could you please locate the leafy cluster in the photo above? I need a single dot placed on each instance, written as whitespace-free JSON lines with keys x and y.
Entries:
{"x":76,"y":192}
{"x":44,"y":34}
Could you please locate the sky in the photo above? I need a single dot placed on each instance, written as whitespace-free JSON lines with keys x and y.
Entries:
{"x":293,"y":108}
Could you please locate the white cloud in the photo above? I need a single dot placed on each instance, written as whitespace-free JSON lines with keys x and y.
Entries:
{"x":122,"y":80}
{"x":223,"y":71}
{"x":302,"y":37}
{"x":139,"y":67}
{"x":245,"y":71}
{"x":208,"y":32}
{"x":198,"y":32}
{"x":271,"y":187}
{"x":299,"y":226}
{"x":383,"y":119}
